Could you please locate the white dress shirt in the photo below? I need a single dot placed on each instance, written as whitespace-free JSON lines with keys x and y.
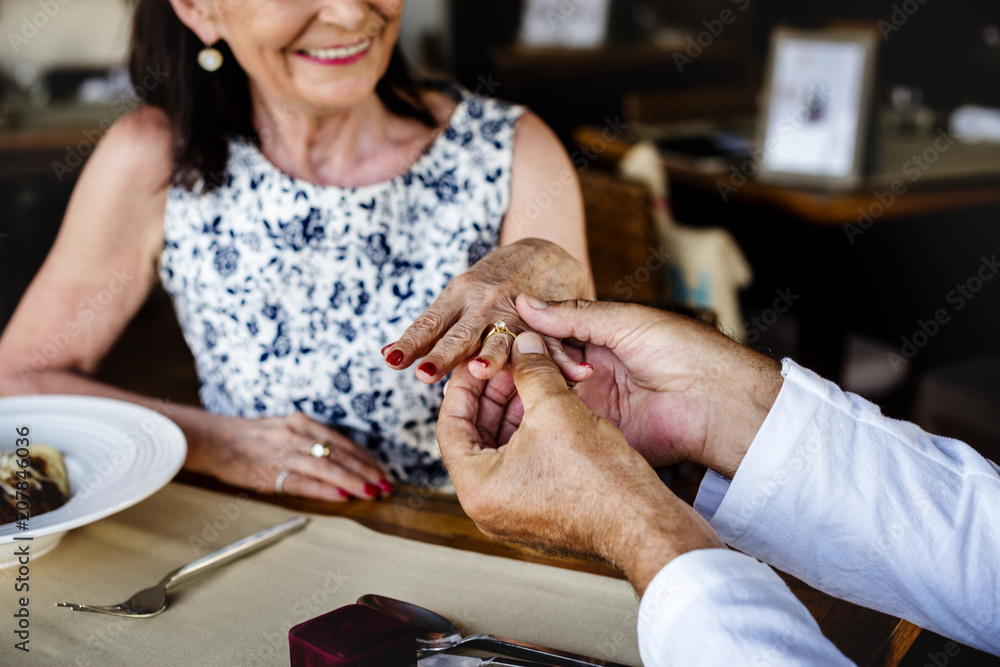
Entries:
{"x":863,"y":507}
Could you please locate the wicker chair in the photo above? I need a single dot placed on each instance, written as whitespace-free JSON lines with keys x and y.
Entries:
{"x":621,"y":237}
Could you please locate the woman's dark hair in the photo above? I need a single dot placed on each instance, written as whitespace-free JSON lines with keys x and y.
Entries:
{"x":207,"y":109}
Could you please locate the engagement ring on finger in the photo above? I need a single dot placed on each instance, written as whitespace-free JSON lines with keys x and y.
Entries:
{"x":279,"y":482}
{"x":499,"y":327}
{"x":319,"y":450}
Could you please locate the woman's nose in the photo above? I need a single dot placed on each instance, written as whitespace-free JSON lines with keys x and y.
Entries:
{"x":348,"y":14}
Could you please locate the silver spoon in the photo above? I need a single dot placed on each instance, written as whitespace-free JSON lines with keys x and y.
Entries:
{"x":437,"y":633}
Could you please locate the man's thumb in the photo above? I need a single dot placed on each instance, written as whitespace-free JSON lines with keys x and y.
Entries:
{"x":588,"y":321}
{"x":536,"y":376}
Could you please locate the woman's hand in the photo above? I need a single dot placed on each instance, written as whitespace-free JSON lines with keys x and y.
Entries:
{"x":552,"y":475}
{"x":452,"y":329}
{"x":250,"y":453}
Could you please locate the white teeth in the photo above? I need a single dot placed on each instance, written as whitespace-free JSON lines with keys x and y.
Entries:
{"x":341,"y":53}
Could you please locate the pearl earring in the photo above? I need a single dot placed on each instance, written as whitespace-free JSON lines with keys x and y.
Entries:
{"x":210,"y":59}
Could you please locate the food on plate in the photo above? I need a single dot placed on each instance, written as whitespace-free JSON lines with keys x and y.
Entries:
{"x":41,"y":487}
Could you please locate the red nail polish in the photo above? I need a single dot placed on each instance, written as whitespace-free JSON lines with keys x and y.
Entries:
{"x":371,"y":489}
{"x":429,"y":368}
{"x":343,"y":494}
{"x":386,"y":486}
{"x":396,"y":358}
{"x":482,"y":361}
{"x":386,"y":348}
{"x":587,"y":366}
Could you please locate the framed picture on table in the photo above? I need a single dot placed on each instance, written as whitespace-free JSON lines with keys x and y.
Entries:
{"x":816,"y":112}
{"x":566,"y":23}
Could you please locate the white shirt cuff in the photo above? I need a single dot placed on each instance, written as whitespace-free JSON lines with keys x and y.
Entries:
{"x":775,"y":455}
{"x":717,"y":607}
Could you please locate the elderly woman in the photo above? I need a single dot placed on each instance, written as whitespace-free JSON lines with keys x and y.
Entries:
{"x":307,"y":206}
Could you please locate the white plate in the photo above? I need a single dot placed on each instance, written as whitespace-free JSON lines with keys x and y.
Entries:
{"x":116,"y":454}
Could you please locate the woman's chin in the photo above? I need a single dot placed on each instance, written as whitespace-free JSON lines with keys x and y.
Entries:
{"x":337,"y":93}
{"x":334,"y":96}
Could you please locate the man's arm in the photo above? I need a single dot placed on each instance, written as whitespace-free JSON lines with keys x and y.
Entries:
{"x":540,"y":469}
{"x":824,"y":487}
{"x":719,"y":607}
{"x":869,"y":509}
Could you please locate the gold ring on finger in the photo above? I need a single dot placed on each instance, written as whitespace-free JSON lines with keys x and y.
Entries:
{"x":319,"y":450}
{"x":499,"y":327}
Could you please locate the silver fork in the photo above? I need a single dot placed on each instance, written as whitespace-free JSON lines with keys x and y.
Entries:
{"x":153,"y":600}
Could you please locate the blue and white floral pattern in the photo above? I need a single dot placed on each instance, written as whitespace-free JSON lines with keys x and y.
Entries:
{"x":287,"y":290}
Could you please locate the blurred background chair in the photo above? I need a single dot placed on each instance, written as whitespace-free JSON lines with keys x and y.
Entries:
{"x":623,"y":244}
{"x":706,"y":266}
{"x":962,"y":400}
{"x":620,"y":234}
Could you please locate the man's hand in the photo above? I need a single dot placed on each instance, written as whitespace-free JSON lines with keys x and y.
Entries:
{"x":677,"y":389}
{"x":546,"y":472}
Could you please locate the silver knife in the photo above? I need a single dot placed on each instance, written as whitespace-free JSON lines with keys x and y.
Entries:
{"x":448,"y":660}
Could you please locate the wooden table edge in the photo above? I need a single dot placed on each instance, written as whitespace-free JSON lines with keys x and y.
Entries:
{"x":441,"y":509}
{"x":823,"y":209}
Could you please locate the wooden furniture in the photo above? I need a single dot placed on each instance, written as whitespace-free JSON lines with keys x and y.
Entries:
{"x":60,"y":135}
{"x":620,"y":235}
{"x":811,"y":206}
{"x":806,"y":239}
{"x":723,"y":104}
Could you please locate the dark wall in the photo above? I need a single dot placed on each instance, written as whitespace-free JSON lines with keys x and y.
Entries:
{"x":943,"y":47}
{"x":939,"y":46}
{"x":32,"y":210}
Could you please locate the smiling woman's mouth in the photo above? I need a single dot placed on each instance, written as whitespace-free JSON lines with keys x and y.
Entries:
{"x":342,"y":55}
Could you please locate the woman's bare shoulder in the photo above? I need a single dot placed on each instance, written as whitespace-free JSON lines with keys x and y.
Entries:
{"x":537,"y":149}
{"x":122,"y":192}
{"x":140,"y":146}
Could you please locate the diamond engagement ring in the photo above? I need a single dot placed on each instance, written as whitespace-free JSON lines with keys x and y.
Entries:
{"x":319,"y":449}
{"x":499,"y":327}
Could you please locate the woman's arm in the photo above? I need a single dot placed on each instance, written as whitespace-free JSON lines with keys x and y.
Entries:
{"x":545,"y":197}
{"x":97,"y":276}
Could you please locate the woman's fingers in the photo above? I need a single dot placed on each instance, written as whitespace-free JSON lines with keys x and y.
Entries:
{"x":495,"y":352}
{"x":347,"y":466}
{"x":458,"y":344}
{"x":362,"y":467}
{"x":334,"y":472}
{"x":573,"y":370}
{"x":276,"y":454}
{"x":420,"y":337}
{"x":349,"y":454}
{"x":305,"y":486}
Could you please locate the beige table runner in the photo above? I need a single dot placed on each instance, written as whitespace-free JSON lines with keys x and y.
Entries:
{"x":241,"y":614}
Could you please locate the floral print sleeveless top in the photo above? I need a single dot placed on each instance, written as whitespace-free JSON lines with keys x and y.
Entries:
{"x":287,"y":290}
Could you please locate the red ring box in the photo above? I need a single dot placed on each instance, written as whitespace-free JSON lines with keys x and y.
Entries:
{"x":352,"y":636}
